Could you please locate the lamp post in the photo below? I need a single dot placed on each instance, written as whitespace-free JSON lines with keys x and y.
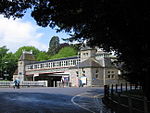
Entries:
{"x":78,"y":76}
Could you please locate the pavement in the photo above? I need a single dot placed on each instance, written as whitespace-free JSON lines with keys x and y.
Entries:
{"x":52,"y":100}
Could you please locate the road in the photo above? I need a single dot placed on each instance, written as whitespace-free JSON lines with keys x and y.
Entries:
{"x":52,"y":100}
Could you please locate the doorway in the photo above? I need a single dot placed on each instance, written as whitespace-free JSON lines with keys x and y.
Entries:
{"x":52,"y":80}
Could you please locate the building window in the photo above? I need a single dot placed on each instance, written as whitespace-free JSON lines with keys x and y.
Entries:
{"x":38,"y":66}
{"x":41,"y":65}
{"x":35,"y":66}
{"x":60,"y":64}
{"x":71,"y":62}
{"x":77,"y":73}
{"x":112,"y":76}
{"x":46,"y":64}
{"x":96,"y":75}
{"x":66,"y":63}
{"x":83,"y":71}
{"x":53,"y":64}
{"x":108,"y":76}
{"x":74,"y":62}
{"x":31,"y":67}
{"x":49,"y":64}
{"x":97,"y":71}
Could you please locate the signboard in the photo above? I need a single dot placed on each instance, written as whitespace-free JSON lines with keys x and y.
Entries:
{"x":84,"y":80}
{"x":36,"y":74}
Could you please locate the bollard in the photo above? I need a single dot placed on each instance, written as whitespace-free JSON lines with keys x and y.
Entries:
{"x":116,"y":88}
{"x":126,"y":87}
{"x":121,"y":88}
{"x":112,"y":90}
{"x":106,"y":91}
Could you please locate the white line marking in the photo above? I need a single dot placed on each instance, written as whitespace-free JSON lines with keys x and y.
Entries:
{"x":72,"y":100}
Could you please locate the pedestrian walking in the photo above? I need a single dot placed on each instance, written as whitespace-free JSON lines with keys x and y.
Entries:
{"x":17,"y":83}
{"x":62,"y":82}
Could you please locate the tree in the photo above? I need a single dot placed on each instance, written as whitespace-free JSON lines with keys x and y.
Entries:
{"x":112,"y":24}
{"x":62,"y":45}
{"x":39,"y":55}
{"x":42,"y":55}
{"x":34,"y":50}
{"x":3,"y":52}
{"x":53,"y":45}
{"x":8,"y":63}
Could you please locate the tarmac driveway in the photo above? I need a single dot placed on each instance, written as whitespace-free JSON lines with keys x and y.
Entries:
{"x":49,"y":100}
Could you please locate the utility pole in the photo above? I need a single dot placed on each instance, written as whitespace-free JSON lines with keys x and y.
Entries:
{"x":78,"y":70}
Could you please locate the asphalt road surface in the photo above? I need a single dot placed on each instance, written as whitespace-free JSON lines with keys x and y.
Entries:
{"x":52,"y":100}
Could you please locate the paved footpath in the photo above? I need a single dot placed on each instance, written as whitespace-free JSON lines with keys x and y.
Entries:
{"x":52,"y":100}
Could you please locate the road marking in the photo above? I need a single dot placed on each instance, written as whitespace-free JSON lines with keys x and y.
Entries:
{"x":72,"y":100}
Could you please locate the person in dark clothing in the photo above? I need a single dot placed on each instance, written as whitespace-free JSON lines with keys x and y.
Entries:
{"x":17,"y":83}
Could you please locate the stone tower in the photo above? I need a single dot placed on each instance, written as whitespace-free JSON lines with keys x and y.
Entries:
{"x":25,"y":58}
{"x":86,"y":53}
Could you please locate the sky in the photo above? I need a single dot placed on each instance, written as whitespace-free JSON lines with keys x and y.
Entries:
{"x":25,"y":32}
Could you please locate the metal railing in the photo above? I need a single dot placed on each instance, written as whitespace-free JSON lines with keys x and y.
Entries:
{"x":123,"y":103}
{"x":24,"y":83}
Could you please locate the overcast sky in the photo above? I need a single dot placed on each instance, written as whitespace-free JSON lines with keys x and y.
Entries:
{"x":24,"y":32}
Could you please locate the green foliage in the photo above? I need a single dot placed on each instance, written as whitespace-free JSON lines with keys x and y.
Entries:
{"x":42,"y":56}
{"x":8,"y":63}
{"x":35,"y":51}
{"x":53,"y":45}
{"x":65,"y":52}
{"x":39,"y":55}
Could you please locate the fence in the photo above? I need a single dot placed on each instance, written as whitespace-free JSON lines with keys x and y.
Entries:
{"x":65,"y":84}
{"x":24,"y":83}
{"x":115,"y":97}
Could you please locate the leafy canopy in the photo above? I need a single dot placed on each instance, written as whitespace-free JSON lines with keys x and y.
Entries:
{"x":53,"y":45}
{"x":34,"y":50}
{"x":8,"y":63}
{"x":39,"y":55}
{"x":65,"y":52}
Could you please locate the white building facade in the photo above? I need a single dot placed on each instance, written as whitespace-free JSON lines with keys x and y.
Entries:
{"x":90,"y":68}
